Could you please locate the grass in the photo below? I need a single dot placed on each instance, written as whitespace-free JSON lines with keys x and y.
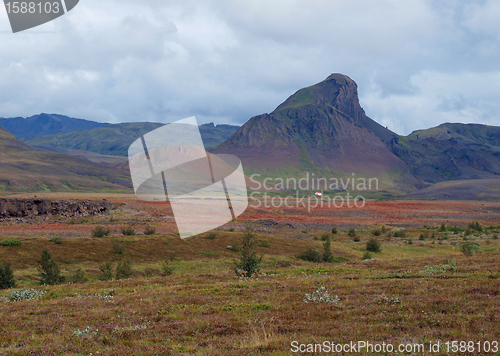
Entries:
{"x":195,"y":305}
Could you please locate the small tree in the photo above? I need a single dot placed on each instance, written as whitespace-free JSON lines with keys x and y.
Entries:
{"x":166,"y":269}
{"x":49,"y":270}
{"x":327,"y":253}
{"x":373,"y":245}
{"x":248,"y":263}
{"x":6,"y":277}
{"x":107,"y":271}
{"x":124,"y":269}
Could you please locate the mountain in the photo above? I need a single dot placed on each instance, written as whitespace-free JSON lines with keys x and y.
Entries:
{"x":46,"y":124}
{"x":27,"y":169}
{"x":321,"y":129}
{"x":451,"y":152}
{"x":115,"y":139}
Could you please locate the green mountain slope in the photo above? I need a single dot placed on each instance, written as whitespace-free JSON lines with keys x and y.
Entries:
{"x":451,"y":152}
{"x":320,"y":129}
{"x":115,"y":139}
{"x":27,"y":169}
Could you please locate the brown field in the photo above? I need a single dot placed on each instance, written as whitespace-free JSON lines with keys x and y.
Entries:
{"x":421,"y":288}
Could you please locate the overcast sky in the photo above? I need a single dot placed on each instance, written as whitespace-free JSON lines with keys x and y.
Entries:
{"x":417,"y":63}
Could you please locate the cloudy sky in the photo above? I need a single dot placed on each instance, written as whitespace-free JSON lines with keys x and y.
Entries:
{"x":417,"y":63}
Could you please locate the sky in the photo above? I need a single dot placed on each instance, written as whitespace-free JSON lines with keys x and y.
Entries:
{"x":417,"y":63}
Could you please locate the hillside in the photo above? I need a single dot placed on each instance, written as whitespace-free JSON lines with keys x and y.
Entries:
{"x":451,"y":152}
{"x":321,"y":129}
{"x":46,"y":124}
{"x":115,"y":139}
{"x":27,"y":169}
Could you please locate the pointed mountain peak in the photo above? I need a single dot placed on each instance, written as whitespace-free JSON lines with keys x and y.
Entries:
{"x":337,"y":91}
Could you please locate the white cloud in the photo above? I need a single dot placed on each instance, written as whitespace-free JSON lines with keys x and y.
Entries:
{"x":417,"y":63}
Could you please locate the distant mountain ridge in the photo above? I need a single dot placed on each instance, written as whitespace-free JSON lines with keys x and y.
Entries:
{"x":115,"y":139}
{"x":451,"y":151}
{"x":320,"y":129}
{"x":46,"y":124}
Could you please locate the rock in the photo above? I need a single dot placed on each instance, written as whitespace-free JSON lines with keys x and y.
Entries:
{"x":22,"y":208}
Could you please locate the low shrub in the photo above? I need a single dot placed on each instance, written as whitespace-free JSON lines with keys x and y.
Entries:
{"x":10,"y":242}
{"x":264,"y":243}
{"x":25,"y":294}
{"x":128,"y":231}
{"x":334,"y":231}
{"x":124,"y":269}
{"x":321,"y":296}
{"x":373,"y":245}
{"x":57,"y":240}
{"x":351,"y":232}
{"x":150,"y":231}
{"x":475,"y":226}
{"x":311,"y":255}
{"x":367,"y":256}
{"x":78,"y":277}
{"x":118,"y":249}
{"x":383,"y":299}
{"x":376,"y":232}
{"x":400,"y":233}
{"x":107,"y":271}
{"x":99,"y":231}
{"x":469,"y":248}
{"x":438,"y":269}
{"x":325,"y":237}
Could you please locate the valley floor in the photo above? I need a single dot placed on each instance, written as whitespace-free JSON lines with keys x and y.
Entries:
{"x":419,"y":289}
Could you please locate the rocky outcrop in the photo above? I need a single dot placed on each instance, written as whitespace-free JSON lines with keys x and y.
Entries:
{"x":31,"y":208}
